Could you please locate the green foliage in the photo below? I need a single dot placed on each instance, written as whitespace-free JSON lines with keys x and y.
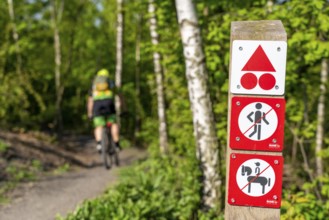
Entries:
{"x":83,"y":50}
{"x":3,"y":146}
{"x":129,"y":116}
{"x":147,"y":134}
{"x":62,"y":169}
{"x":20,"y":173}
{"x":305,"y":205}
{"x":156,"y":189}
{"x":179,"y":115}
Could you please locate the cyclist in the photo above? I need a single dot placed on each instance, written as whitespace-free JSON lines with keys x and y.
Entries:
{"x":101,"y":108}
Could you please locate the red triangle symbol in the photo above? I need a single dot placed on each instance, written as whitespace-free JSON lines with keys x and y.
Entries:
{"x":259,"y":62}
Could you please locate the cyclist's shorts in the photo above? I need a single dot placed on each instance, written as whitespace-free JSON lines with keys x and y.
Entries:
{"x":103,"y":112}
{"x":103,"y":107}
{"x":103,"y":120}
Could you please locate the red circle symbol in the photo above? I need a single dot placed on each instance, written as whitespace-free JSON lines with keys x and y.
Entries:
{"x":248,"y":81}
{"x":267,"y":81}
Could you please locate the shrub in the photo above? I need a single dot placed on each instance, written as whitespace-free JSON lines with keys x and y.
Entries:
{"x":159,"y":188}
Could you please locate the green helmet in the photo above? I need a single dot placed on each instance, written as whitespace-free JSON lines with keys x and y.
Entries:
{"x":103,"y":72}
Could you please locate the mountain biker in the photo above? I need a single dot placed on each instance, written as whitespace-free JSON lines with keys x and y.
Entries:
{"x":101,"y":108}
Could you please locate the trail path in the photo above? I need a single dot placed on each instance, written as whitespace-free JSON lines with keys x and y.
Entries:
{"x":61,"y":194}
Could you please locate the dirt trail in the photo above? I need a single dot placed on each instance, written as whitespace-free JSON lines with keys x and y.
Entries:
{"x":52,"y":195}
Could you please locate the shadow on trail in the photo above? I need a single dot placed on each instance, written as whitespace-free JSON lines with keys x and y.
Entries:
{"x":74,"y":150}
{"x":70,"y":158}
{"x":31,"y":147}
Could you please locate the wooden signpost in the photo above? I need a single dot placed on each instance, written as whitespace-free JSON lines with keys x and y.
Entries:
{"x":255,"y":120}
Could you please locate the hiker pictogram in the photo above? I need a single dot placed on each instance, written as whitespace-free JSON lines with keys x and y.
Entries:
{"x":258,"y":67}
{"x":259,"y":116}
{"x":257,"y":123}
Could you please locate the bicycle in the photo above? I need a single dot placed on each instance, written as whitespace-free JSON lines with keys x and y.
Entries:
{"x":109,"y":152}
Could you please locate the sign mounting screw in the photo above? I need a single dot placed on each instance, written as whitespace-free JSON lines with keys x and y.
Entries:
{"x":275,"y":197}
{"x":238,"y":103}
{"x":237,"y":138}
{"x":233,"y":156}
{"x":233,"y":200}
{"x":274,"y":140}
{"x":278,"y":49}
{"x":276,"y":162}
{"x":277,"y":105}
{"x":240,"y":48}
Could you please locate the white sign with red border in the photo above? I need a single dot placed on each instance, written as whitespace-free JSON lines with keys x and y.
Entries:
{"x":258,"y":67}
{"x":257,"y":123}
{"x":255,"y":180}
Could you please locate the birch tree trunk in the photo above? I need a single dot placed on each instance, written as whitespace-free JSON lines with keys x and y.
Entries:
{"x":269,"y":6}
{"x":137,"y":74}
{"x":321,"y":114}
{"x":203,"y":119}
{"x":119,"y":49}
{"x":56,"y":11}
{"x":163,"y":136}
{"x":15,"y":36}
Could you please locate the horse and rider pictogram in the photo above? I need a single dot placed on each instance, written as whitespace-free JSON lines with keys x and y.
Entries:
{"x":255,"y":180}
{"x":258,"y":174}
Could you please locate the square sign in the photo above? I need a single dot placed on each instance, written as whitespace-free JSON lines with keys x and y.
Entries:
{"x":255,"y":180}
{"x":257,"y":123}
{"x":258,"y":67}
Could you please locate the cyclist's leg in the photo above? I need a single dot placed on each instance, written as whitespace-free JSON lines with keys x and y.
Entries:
{"x":114,"y":130}
{"x":99,"y":122}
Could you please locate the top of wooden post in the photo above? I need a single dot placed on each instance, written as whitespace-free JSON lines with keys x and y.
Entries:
{"x":258,"y":30}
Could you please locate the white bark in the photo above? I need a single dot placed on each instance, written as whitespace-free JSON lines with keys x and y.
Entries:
{"x":119,"y":52}
{"x":15,"y":36}
{"x":137,"y":72}
{"x":159,"y":79}
{"x":321,"y":114}
{"x":269,"y":6}
{"x":55,"y":15}
{"x":203,"y":119}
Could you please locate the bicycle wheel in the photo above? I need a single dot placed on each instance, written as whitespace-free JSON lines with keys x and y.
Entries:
{"x":114,"y":155}
{"x":105,"y":156}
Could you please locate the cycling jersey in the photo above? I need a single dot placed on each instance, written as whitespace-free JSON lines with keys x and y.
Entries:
{"x":103,"y":98}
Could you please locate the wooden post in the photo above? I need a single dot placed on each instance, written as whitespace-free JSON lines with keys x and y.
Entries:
{"x":253,"y":31}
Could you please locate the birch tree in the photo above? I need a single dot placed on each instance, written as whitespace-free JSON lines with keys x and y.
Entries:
{"x":119,"y":49}
{"x":137,"y":71}
{"x":56,"y":12}
{"x":163,"y":137}
{"x":320,"y":116}
{"x":203,"y":118}
{"x":24,"y":80}
{"x":15,"y":36}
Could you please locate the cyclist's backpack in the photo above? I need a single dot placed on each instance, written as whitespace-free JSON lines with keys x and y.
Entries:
{"x":101,"y":83}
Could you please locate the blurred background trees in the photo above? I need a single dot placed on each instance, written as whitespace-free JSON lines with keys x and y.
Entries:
{"x":31,"y":97}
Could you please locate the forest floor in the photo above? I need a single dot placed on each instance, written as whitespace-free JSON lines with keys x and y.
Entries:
{"x":64,"y":174}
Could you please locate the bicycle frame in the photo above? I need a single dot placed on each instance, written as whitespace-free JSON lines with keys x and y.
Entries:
{"x":109,"y":153}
